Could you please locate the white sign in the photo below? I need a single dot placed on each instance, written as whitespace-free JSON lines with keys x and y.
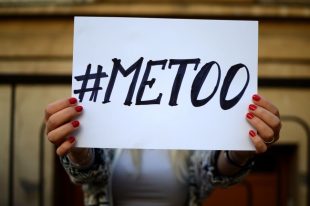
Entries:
{"x":164,"y":83}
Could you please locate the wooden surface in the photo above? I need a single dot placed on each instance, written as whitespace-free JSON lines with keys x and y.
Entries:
{"x":30,"y":103}
{"x":257,"y":186}
{"x":177,"y":9}
{"x":5,"y":114}
{"x":63,"y":66}
{"x":270,"y":183}
{"x":44,"y":46}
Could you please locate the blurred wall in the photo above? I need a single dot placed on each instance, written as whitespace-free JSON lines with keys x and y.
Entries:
{"x":35,"y":68}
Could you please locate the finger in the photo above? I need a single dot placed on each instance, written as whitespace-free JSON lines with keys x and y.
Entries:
{"x":61,"y":117}
{"x":59,"y":105}
{"x":258,"y":142}
{"x":263,"y":102}
{"x":66,"y":146}
{"x":265,"y":132}
{"x":268,"y":117}
{"x":58,"y":135}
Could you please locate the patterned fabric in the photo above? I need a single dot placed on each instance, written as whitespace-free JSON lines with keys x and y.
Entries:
{"x":95,"y":179}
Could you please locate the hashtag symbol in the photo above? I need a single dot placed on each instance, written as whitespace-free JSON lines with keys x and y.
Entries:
{"x":85,"y":78}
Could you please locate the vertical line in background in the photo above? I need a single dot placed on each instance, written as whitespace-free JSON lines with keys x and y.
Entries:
{"x":41,"y":165}
{"x":11,"y":146}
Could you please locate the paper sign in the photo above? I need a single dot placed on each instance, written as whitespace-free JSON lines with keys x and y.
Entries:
{"x":151,"y":83}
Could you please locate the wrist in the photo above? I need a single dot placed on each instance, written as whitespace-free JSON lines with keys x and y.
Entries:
{"x":241,"y":157}
{"x":237,"y":158}
{"x":81,"y":157}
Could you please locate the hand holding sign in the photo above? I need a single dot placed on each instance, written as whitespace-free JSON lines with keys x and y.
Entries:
{"x":164,"y":83}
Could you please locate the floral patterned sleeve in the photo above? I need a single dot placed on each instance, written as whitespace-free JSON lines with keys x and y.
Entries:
{"x":94,"y":178}
{"x":206,"y":175}
{"x":97,"y":171}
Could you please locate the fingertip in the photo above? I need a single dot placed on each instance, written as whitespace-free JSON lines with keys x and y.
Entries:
{"x":72,"y":100}
{"x":259,"y":144}
{"x":252,"y":107}
{"x":256,"y":97}
{"x":249,"y":115}
{"x":252,"y":133}
{"x":71,"y":139}
{"x":78,"y":108}
{"x":75,"y":123}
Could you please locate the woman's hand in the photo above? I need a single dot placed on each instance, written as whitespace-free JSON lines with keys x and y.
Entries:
{"x":60,"y":121}
{"x":265,"y":118}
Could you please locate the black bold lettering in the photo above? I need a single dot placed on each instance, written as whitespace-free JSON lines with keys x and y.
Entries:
{"x":85,"y":78}
{"x":227,"y":104}
{"x":198,"y":82}
{"x":117,"y":67}
{"x":150,"y":83}
{"x":179,"y":77}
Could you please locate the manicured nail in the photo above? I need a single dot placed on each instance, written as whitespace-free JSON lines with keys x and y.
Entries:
{"x":71,"y":139}
{"x":252,"y":107}
{"x":252,"y":133}
{"x":78,"y":108}
{"x":256,"y":97}
{"x":75,"y":123}
{"x":72,"y":100}
{"x":249,"y":115}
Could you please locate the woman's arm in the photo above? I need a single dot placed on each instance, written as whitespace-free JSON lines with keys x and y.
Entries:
{"x":265,"y":119}
{"x":213,"y":168}
{"x":96,"y":173}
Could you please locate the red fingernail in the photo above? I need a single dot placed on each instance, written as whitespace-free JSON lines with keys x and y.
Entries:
{"x":72,"y":100}
{"x":78,"y":108}
{"x":252,"y":107}
{"x":252,"y":133}
{"x":75,"y":123}
{"x":249,"y":115}
{"x":256,"y":97}
{"x":71,"y":139}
